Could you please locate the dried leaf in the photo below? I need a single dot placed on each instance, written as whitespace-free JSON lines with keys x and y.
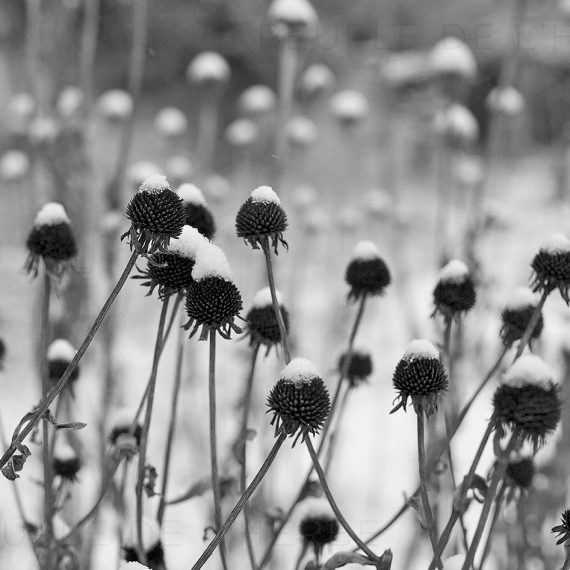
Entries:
{"x":70,"y":425}
{"x":343,"y":558}
{"x":196,"y":490}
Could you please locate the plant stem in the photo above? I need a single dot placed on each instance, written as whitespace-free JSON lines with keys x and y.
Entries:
{"x":88,"y":51}
{"x":241,"y":503}
{"x":52,"y":394}
{"x":172,"y":416}
{"x":214,"y":446}
{"x":497,"y":512}
{"x":145,"y":431}
{"x":423,"y":485}
{"x":332,"y":502}
{"x":532,"y":324}
{"x":276,"y":307}
{"x":445,"y":536}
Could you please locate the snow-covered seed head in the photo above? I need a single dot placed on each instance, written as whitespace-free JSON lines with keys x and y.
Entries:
{"x":262,"y":326}
{"x":156,"y":214}
{"x":299,"y":401}
{"x":349,"y":107}
{"x":301,"y":132}
{"x":292,"y":18}
{"x":455,"y":291}
{"x":171,"y":122}
{"x":452,"y":57}
{"x":151,"y":542}
{"x":124,"y":434}
{"x":198,"y":215}
{"x":551,"y":266}
{"x":51,"y":239}
{"x":520,"y":473}
{"x":69,"y":102}
{"x":366,"y":273}
{"x":316,"y":79}
{"x":318,"y":526}
{"x":262,"y":218}
{"x":208,"y":69}
{"x":454,"y":562}
{"x":517,"y":314}
{"x":242,"y":133}
{"x":66,"y":463}
{"x":133,"y":566}
{"x":420,"y":376}
{"x":59,"y":354}
{"x":257,"y":100}
{"x":457,"y":125}
{"x":563,"y":529}
{"x":529,"y":369}
{"x":115,"y":105}
{"x":14,"y":165}
{"x":506,"y":100}
{"x":358,"y":368}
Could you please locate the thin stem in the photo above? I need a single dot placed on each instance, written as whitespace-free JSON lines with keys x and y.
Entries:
{"x":332,"y":502}
{"x":276,"y":307}
{"x":445,"y":536}
{"x":423,"y":485}
{"x":214,"y":446}
{"x":172,"y":416}
{"x":88,"y":52}
{"x":241,"y":503}
{"x":497,"y":512}
{"x":52,"y":394}
{"x":173,"y":315}
{"x":531,"y":324}
{"x":145,"y":431}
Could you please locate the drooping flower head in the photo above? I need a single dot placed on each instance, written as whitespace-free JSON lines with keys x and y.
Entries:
{"x":151,"y":542}
{"x":551,"y":266}
{"x":60,"y":353}
{"x":517,"y":314}
{"x":262,"y":326}
{"x":359,"y":366}
{"x":420,"y":376}
{"x":198,"y":215}
{"x":319,"y":525}
{"x":156,"y":214}
{"x":66,"y":463}
{"x":261,"y":217}
{"x":455,"y":291}
{"x":315,"y":80}
{"x":52,"y":240}
{"x":366,"y":273}
{"x":299,"y":401}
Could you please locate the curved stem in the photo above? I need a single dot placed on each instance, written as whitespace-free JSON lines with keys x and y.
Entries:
{"x":145,"y":431}
{"x":531,"y":324}
{"x":241,"y":503}
{"x":423,"y":485}
{"x":332,"y":502}
{"x":214,"y":445}
{"x":497,"y":512}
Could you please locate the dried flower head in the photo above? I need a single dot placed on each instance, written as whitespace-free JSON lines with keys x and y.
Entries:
{"x":367,"y":273}
{"x":261,"y":217}
{"x":551,"y":266}
{"x":457,"y":125}
{"x":420,"y":376}
{"x":319,"y":525}
{"x":299,"y":401}
{"x":451,"y":56}
{"x":156,"y":214}
{"x":198,"y":214}
{"x":51,"y":239}
{"x":66,"y":463}
{"x":359,"y":366}
{"x":563,"y":530}
{"x":517,"y":314}
{"x":262,"y":326}
{"x":208,"y":69}
{"x":152,"y":545}
{"x":520,"y":473}
{"x":257,"y":100}
{"x":60,"y":353}
{"x":349,"y":107}
{"x":115,"y":105}
{"x":125,"y":433}
{"x":455,"y":291}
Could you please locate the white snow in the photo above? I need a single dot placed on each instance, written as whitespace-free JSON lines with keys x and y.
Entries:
{"x":133,"y":566}
{"x":455,"y":271}
{"x":257,"y":99}
{"x":150,"y":533}
{"x":316,"y":507}
{"x":171,"y":122}
{"x":458,"y":121}
{"x":349,"y":105}
{"x":421,"y":348}
{"x":60,"y":527}
{"x":191,"y":194}
{"x":265,"y":194}
{"x":211,"y":261}
{"x":292,"y":12}
{"x":451,"y":55}
{"x":263,"y":298}
{"x":188,"y":243}
{"x":528,"y":369}
{"x":51,"y":214}
{"x":454,"y":562}
{"x":299,"y":371}
{"x":506,"y":100}
{"x":365,"y":251}
{"x":556,"y":243}
{"x":155,"y":184}
{"x":63,"y":451}
{"x":208,"y":66}
{"x":121,"y":418}
{"x":317,"y":77}
{"x":522,"y":298}
{"x":115,"y":104}
{"x":61,"y":349}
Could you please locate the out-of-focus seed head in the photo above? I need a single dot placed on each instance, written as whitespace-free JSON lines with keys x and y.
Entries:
{"x":452,"y":57}
{"x":124,"y":433}
{"x":198,"y":215}
{"x":242,"y":133}
{"x":420,"y":376}
{"x":520,"y":473}
{"x":506,"y":100}
{"x":319,"y":525}
{"x":262,"y":218}
{"x":66,"y":463}
{"x":349,"y":107}
{"x":156,"y":214}
{"x":70,"y":101}
{"x":359,"y":366}
{"x":115,"y":105}
{"x":299,"y":401}
{"x":14,"y":165}
{"x":301,"y":132}
{"x":551,"y":266}
{"x":208,"y":69}
{"x":257,"y":100}
{"x":315,"y":80}
{"x":171,"y":122}
{"x":455,"y":291}
{"x":262,"y":326}
{"x":292,"y":18}
{"x":457,"y":125}
{"x":179,"y":168}
{"x":366,"y":273}
{"x":52,"y":240}
{"x":59,"y":355}
{"x":517,"y":314}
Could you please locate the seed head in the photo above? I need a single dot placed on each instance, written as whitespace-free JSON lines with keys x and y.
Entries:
{"x":517,"y":314}
{"x":506,"y":100}
{"x":563,"y":530}
{"x":420,"y":376}
{"x":52,"y":240}
{"x":292,"y":18}
{"x":455,"y":291}
{"x":262,"y":326}
{"x":59,"y":355}
{"x":452,"y":57}
{"x":171,"y":122}
{"x":316,"y":79}
{"x":261,"y":217}
{"x":197,"y":212}
{"x":367,"y":273}
{"x":349,"y":107}
{"x":520,"y":473}
{"x":359,"y":367}
{"x":319,"y":525}
{"x":156,"y":214}
{"x":152,"y":545}
{"x":122,"y":433}
{"x":208,"y":69}
{"x":301,"y":132}
{"x":551,"y":266}
{"x":66,"y":463}
{"x":257,"y":100}
{"x":457,"y":125}
{"x":115,"y":105}
{"x":299,"y":401}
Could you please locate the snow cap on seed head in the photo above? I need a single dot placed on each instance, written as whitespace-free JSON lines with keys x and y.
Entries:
{"x":455,"y":271}
{"x":528,"y":369}
{"x":208,"y":67}
{"x":257,"y":99}
{"x":188,"y":243}
{"x":365,"y":250}
{"x":51,"y":214}
{"x":263,"y":298}
{"x":366,"y":272}
{"x":61,"y":349}
{"x":292,"y":17}
{"x":171,"y":122}
{"x":154,"y":184}
{"x":133,"y":566}
{"x":452,"y":56}
{"x":556,"y":243}
{"x":191,"y":194}
{"x":421,"y":348}
{"x":265,"y":194}
{"x":457,"y":123}
{"x":522,"y":298}
{"x":115,"y":104}
{"x":299,"y":371}
{"x":315,"y":79}
{"x":349,"y":106}
{"x":211,"y":261}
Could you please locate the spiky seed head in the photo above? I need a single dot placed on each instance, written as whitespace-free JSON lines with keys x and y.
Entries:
{"x":359,"y":366}
{"x":299,"y":401}
{"x":420,"y":376}
{"x":455,"y":291}
{"x":66,"y":463}
{"x":198,"y":215}
{"x":123,"y":432}
{"x":52,"y":240}
{"x":59,"y":355}
{"x":520,"y":473}
{"x":156,"y":214}
{"x":133,"y":566}
{"x":262,"y":326}
{"x":551,"y":266}
{"x":517,"y":314}
{"x":261,"y":217}
{"x":366,"y":273}
{"x":563,"y":529}
{"x":319,"y":525}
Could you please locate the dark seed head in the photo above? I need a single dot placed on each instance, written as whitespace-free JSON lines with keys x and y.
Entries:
{"x":367,"y":273}
{"x":551,"y":266}
{"x":455,"y":291}
{"x":517,"y":315}
{"x":359,"y":366}
{"x":169,"y":272}
{"x":196,"y":210}
{"x":122,"y":430}
{"x":319,"y":525}
{"x":520,"y":473}
{"x":152,"y":545}
{"x":262,"y":325}
{"x":66,"y":463}
{"x":59,"y":354}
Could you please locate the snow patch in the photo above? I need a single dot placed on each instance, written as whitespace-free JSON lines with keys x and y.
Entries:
{"x":421,"y":348}
{"x":263,"y":298}
{"x":528,"y":369}
{"x":51,"y":214}
{"x":365,"y":251}
{"x":208,"y":66}
{"x":292,"y":12}
{"x":455,"y":271}
{"x":522,"y":298}
{"x":61,"y":349}
{"x":556,"y":243}
{"x":211,"y":261}
{"x":191,"y":194}
{"x":299,"y":371}
{"x":315,"y":507}
{"x":188,"y":243}
{"x":133,"y":566}
{"x":265,"y":194}
{"x":451,"y":55}
{"x":349,"y":105}
{"x":155,"y":184}
{"x":150,"y":534}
